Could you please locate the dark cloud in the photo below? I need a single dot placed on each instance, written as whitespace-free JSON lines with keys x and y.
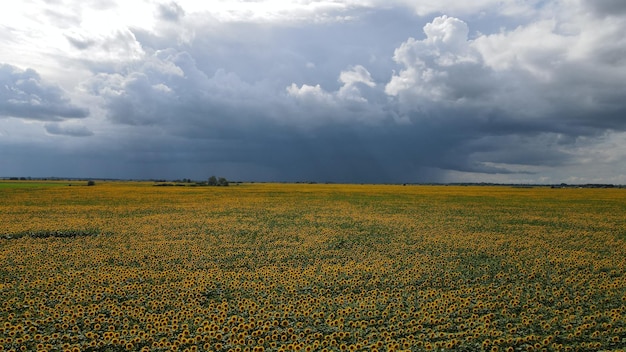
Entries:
{"x":169,"y":90}
{"x":64,"y":130}
{"x":24,"y":95}
{"x":445,"y":109}
{"x":283,"y":54}
{"x":606,"y":7}
{"x":381,"y":95}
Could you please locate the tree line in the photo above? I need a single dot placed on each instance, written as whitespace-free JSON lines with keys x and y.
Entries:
{"x":215,"y":181}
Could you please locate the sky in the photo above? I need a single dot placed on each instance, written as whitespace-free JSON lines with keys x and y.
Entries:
{"x":368,"y":91}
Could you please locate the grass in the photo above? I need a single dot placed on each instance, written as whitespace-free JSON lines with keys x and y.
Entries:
{"x":7,"y":184}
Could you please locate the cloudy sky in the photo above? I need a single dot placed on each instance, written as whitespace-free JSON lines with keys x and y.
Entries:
{"x":315,"y":90}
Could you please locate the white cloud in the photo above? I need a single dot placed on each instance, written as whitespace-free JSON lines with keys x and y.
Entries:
{"x":440,"y":68}
{"x":447,"y":34}
{"x":171,"y":12}
{"x":277,"y":11}
{"x":581,"y":68}
{"x":314,"y":95}
{"x":348,"y":101}
{"x":356,"y":74}
{"x":533,"y":70}
{"x":534,"y":48}
{"x":117,"y":47}
{"x":351,"y":79}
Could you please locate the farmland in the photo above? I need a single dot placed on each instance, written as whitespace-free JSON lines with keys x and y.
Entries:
{"x":294,"y":267}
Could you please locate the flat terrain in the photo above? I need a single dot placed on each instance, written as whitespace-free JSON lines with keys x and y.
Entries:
{"x":32,"y":184}
{"x":273,"y":267}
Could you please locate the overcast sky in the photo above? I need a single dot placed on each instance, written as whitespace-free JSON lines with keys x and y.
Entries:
{"x":521,"y":91}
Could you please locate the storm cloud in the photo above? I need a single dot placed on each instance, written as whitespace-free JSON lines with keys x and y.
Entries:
{"x":402,"y":91}
{"x":24,"y":95}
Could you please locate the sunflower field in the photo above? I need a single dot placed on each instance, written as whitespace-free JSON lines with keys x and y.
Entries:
{"x":127,"y":266}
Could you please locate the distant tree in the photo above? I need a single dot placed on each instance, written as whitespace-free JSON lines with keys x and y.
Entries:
{"x":212,"y":181}
{"x":91,"y":183}
{"x":222,"y":182}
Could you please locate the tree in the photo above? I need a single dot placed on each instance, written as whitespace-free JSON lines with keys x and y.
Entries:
{"x":222,"y":182}
{"x":212,"y":181}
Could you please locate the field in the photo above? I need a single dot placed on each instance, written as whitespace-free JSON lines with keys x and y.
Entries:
{"x":280,"y":267}
{"x":31,"y":184}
